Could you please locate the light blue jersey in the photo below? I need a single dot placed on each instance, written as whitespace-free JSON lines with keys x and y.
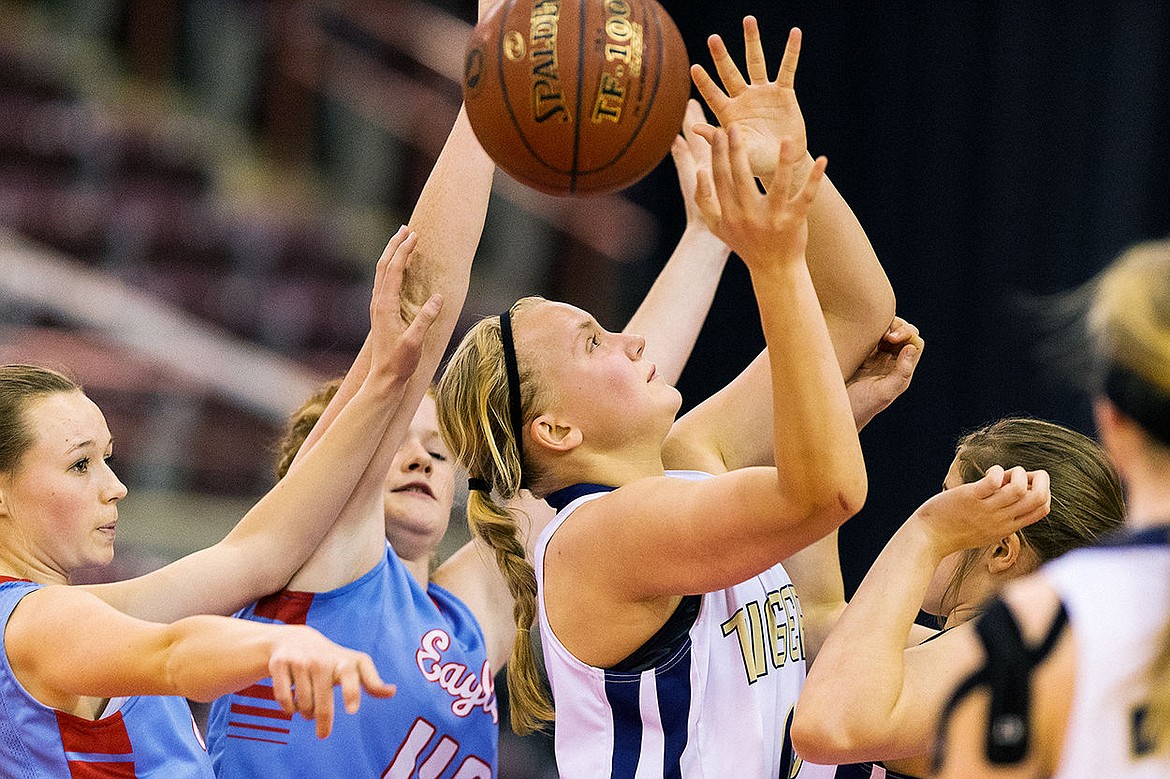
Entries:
{"x":148,"y":736}
{"x":441,"y":723}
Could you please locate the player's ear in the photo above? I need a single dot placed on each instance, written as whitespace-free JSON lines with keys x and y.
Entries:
{"x":1006,"y":554}
{"x":552,"y":434}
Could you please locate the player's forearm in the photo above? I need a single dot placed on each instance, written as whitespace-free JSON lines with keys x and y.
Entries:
{"x":855,"y":294}
{"x":851,"y":701}
{"x":814,"y":441}
{"x":448,"y":220}
{"x":206,"y":657}
{"x":672,"y":313}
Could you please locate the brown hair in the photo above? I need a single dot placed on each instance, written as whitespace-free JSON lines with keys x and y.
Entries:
{"x":20,"y":387}
{"x":301,"y":423}
{"x":1087,"y":501}
{"x":474,"y":418}
{"x":1129,"y":324}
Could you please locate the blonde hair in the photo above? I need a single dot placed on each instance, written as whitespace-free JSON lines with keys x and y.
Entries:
{"x":1129,"y":316}
{"x":473,"y":409}
{"x":1129,"y":322}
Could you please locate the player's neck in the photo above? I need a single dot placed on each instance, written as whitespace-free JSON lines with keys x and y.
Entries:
{"x":1147,"y":502}
{"x":16,"y":567}
{"x":616,"y":469}
{"x":419,"y":568}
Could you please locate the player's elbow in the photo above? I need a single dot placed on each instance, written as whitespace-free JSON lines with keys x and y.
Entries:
{"x":827,"y":735}
{"x":840,"y":498}
{"x":851,"y":494}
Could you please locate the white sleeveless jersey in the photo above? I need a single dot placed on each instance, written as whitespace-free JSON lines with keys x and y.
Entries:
{"x":1118,"y":602}
{"x":719,"y":705}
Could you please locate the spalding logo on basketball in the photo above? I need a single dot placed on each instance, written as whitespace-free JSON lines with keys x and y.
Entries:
{"x":576,"y":96}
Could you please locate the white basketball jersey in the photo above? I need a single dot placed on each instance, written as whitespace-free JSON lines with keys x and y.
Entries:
{"x":718,"y":706}
{"x":1118,"y":602}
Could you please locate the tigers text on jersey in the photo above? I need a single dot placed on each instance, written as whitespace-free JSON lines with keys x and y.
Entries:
{"x":718,"y":705}
{"x":149,"y":735}
{"x":1118,"y":602}
{"x":441,"y":723}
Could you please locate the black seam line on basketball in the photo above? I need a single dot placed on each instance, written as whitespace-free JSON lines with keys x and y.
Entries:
{"x":649,"y":105}
{"x":507,"y":98}
{"x":580,"y":86}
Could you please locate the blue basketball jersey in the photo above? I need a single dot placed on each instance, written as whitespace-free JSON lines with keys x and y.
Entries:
{"x":148,"y":736}
{"x":716,"y":702}
{"x":442,"y":722}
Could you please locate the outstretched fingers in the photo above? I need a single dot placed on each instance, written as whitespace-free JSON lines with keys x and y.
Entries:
{"x":733,"y":81}
{"x":805,"y":189}
{"x":705,"y":199}
{"x":757,"y":66}
{"x":741,"y":170}
{"x":691,"y":150}
{"x":721,"y":174}
{"x":712,"y":95}
{"x":389,"y":272}
{"x":786,"y":77}
{"x":398,"y":344}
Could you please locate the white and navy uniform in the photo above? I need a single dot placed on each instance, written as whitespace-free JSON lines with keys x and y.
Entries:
{"x":141,"y":736}
{"x":712,"y":700}
{"x":442,"y":723}
{"x":1118,"y":601}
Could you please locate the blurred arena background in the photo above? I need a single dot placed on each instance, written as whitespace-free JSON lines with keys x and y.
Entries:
{"x":193,"y":193}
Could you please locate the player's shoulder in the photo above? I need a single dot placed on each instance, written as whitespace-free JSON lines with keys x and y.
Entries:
{"x":1034,"y":603}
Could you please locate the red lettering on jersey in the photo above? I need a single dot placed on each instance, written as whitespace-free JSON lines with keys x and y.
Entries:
{"x":454,"y":678}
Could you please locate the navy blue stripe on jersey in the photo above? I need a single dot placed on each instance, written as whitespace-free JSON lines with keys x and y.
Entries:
{"x":664,"y":644}
{"x":673,"y":680}
{"x":1158,"y":535}
{"x":672,"y":684}
{"x":866,"y":771}
{"x":622,"y":691}
{"x":563,"y":497}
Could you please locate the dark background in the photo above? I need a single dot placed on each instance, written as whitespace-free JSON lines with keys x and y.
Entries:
{"x":995,"y":152}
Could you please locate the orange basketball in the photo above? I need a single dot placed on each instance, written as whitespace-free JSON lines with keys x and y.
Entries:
{"x":576,"y":96}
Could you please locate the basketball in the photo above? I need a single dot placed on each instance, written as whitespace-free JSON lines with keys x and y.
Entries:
{"x":577,"y":97}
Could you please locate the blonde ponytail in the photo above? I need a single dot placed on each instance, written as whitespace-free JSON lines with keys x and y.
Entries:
{"x":1129,"y":320}
{"x":473,"y":408}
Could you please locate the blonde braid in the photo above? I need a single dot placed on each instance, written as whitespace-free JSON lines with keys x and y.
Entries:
{"x":473,"y":408}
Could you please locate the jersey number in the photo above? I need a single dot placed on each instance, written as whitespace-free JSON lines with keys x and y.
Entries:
{"x":407,"y":759}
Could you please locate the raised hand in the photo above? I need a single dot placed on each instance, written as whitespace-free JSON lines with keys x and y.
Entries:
{"x":886,"y":372}
{"x":396,"y":342}
{"x":691,"y":153}
{"x":765,"y":110}
{"x":982,"y":512}
{"x":761,"y":227}
{"x":305,"y":667}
